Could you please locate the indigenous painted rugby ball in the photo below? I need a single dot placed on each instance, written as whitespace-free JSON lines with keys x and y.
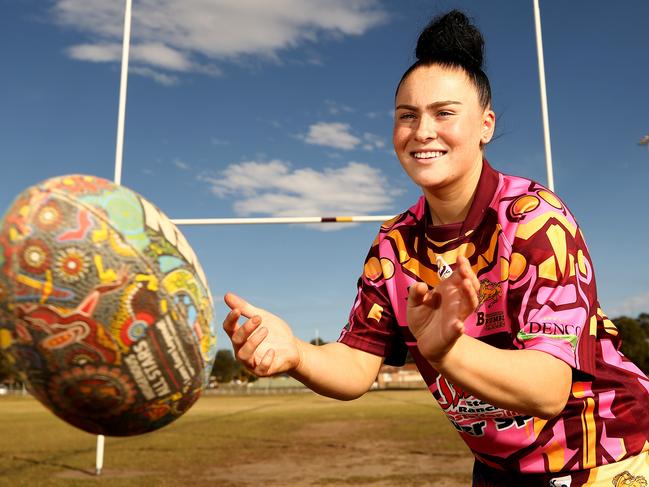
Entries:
{"x":104,"y":309}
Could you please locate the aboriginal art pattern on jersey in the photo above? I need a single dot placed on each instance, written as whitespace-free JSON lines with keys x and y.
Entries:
{"x":537,"y":292}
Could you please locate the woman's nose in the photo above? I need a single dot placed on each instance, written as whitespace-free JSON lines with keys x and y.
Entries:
{"x":425,"y":129}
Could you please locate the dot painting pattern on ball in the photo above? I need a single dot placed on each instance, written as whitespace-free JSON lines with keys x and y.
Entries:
{"x":104,"y":309}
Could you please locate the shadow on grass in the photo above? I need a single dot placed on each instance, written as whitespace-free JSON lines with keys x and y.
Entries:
{"x":47,"y":463}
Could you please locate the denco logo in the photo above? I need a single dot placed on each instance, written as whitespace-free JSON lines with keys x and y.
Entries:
{"x":551,"y":328}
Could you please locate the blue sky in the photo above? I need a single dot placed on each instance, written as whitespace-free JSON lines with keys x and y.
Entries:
{"x":296,"y":97}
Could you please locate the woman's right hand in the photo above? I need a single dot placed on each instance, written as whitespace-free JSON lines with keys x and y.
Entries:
{"x":436,"y":316}
{"x":264,"y":343}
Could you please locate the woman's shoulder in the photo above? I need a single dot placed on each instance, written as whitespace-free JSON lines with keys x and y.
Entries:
{"x":522,"y":199}
{"x":408,"y":218}
{"x":400,"y":226}
{"x":526,"y":207}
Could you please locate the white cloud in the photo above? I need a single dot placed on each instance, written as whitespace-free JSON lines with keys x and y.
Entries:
{"x":275,"y":189}
{"x":154,"y":54}
{"x":192,"y":35}
{"x":372,"y":142}
{"x":381,"y":114}
{"x":631,"y":306}
{"x":335,"y":108}
{"x":339,"y":136}
{"x":181,"y":164}
{"x":98,"y":53}
{"x":161,"y":56}
{"x":162,"y":78}
{"x":333,"y":134}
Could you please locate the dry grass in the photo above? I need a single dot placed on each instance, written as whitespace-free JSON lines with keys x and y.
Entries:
{"x":384,"y":439}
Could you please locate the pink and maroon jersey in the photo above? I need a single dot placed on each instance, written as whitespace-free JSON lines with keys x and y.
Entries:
{"x":537,"y":292}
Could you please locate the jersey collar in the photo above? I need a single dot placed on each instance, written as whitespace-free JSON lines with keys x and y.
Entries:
{"x":485,"y":191}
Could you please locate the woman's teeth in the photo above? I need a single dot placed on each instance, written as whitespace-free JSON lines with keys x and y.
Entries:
{"x":428,"y":155}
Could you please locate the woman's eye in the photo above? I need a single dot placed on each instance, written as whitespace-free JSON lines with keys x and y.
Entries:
{"x":406,"y":116}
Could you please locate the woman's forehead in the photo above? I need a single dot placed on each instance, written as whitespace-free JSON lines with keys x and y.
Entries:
{"x":434,"y":83}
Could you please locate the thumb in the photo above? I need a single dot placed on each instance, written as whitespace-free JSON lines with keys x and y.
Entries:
{"x":235,"y":302}
{"x":416,"y":293}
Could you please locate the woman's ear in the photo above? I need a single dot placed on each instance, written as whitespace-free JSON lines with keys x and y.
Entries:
{"x":488,"y":126}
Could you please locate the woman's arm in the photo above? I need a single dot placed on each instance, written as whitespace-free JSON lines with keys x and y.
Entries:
{"x":529,"y":382}
{"x":265,"y":345}
{"x":526,"y":381}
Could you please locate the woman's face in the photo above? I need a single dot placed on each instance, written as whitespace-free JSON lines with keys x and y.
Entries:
{"x":440,"y":127}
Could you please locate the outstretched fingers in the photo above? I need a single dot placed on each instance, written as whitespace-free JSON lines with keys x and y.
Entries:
{"x":466,"y":272}
{"x":417,"y":294}
{"x":458,"y":328}
{"x":244,"y":332}
{"x":263,"y":368}
{"x":235,"y":302}
{"x":231,"y":322}
{"x":245,"y":338}
{"x":470,"y":295}
{"x":263,"y":342}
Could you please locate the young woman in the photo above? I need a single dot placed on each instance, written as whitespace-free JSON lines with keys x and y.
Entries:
{"x":487,"y":281}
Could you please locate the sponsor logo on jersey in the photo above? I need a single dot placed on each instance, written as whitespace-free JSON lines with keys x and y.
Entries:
{"x":491,"y":321}
{"x":627,"y":480}
{"x":460,"y":404}
{"x":489,"y":292}
{"x":444,"y":270}
{"x":561,"y":481}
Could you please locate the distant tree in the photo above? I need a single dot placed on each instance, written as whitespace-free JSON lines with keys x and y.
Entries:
{"x":226,"y":367}
{"x":318,"y":341}
{"x":643,"y":320}
{"x":634,"y":341}
{"x":6,"y":372}
{"x":245,"y":376}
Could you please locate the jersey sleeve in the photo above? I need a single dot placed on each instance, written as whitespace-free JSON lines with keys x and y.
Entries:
{"x":372,"y":325}
{"x":552,"y":290}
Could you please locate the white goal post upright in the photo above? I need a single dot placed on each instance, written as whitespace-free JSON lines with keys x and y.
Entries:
{"x":121,"y":114}
{"x":544,"y":97}
{"x":119,"y":150}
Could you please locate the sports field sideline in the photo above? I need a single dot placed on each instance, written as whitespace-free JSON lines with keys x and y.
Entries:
{"x":385,"y":438}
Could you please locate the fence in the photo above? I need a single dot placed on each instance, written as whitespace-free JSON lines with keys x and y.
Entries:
{"x":13,"y":390}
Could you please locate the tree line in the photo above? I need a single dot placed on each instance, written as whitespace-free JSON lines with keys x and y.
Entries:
{"x":634,"y":332}
{"x":227,"y":369}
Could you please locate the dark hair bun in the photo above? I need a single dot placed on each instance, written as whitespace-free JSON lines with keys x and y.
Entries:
{"x":451,"y":39}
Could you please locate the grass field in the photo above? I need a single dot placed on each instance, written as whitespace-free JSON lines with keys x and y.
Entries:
{"x":386,"y":438}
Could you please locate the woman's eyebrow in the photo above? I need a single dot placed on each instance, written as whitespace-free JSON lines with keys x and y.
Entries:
{"x":433,"y":105}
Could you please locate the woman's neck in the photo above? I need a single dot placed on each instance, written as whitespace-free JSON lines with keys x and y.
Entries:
{"x":451,"y":204}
